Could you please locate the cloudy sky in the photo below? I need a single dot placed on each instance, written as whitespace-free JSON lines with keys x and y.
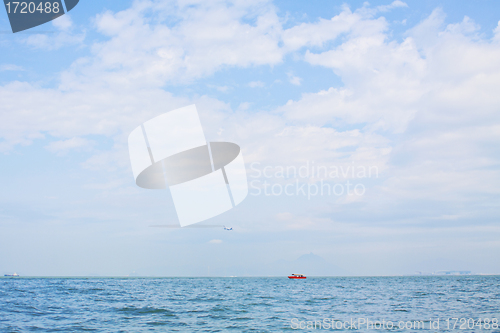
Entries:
{"x":406,"y":90}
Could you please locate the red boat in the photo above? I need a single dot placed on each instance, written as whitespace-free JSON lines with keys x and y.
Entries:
{"x":296,"y":276}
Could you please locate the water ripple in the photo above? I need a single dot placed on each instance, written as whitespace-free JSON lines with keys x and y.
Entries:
{"x":236,"y":304}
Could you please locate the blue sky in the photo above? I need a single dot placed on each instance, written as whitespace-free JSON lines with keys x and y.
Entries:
{"x":406,"y":88}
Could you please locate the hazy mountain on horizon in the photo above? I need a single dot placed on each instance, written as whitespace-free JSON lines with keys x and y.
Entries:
{"x":308,"y":264}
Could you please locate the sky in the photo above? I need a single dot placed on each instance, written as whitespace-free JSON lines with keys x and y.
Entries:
{"x":370,"y":133}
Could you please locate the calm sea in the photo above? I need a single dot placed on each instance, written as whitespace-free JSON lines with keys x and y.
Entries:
{"x":352,"y":304}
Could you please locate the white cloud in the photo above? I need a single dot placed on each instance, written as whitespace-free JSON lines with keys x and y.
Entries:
{"x":223,"y":89}
{"x":256,"y":84}
{"x":215,"y":241}
{"x":208,"y":35}
{"x":63,"y":22}
{"x":417,"y":109}
{"x":54,"y":41}
{"x":11,"y":67}
{"x":63,"y":146}
{"x":315,"y":34}
{"x":66,"y":114}
{"x":436,"y":90}
{"x":244,"y":106}
{"x":394,"y":4}
{"x":496,"y":31}
{"x":295,"y":80}
{"x":105,"y":186}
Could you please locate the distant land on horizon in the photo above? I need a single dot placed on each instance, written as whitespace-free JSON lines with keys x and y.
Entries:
{"x":310,"y":264}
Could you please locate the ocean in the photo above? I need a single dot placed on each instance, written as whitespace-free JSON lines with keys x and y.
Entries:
{"x":266,"y":304}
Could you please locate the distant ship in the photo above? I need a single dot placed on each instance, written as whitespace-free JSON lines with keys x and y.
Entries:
{"x":296,"y":276}
{"x":14,"y":275}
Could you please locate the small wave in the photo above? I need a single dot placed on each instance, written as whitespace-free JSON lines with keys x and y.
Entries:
{"x":146,"y":311}
{"x":219,"y":309}
{"x":157,"y":323}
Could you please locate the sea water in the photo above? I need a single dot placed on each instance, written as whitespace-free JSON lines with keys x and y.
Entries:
{"x":347,"y":304}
